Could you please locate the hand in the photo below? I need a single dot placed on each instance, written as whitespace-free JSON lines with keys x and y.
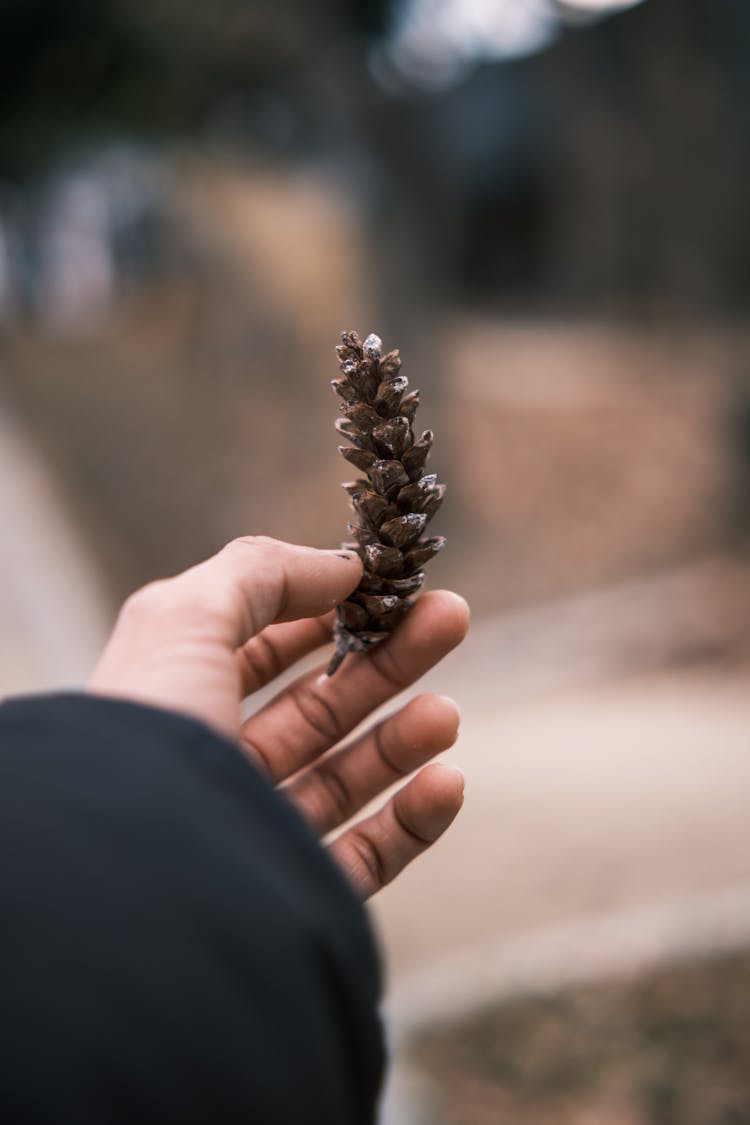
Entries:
{"x":200,"y":642}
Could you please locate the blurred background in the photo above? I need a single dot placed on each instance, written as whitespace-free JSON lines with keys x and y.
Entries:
{"x":544,"y":205}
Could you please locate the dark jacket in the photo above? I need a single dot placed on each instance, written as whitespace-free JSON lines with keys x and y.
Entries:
{"x":175,"y":945}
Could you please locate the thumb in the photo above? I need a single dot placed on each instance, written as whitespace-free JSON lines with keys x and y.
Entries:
{"x":255,"y":581}
{"x":174,"y":644}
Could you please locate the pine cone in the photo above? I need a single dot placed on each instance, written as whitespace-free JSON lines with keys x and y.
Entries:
{"x":396,"y":501}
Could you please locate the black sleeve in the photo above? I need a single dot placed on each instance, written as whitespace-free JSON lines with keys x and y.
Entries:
{"x":175,"y":945}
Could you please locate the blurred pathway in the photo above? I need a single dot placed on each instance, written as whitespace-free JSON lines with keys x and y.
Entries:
{"x":53,"y":614}
{"x":581,"y":806}
{"x":606,"y":746}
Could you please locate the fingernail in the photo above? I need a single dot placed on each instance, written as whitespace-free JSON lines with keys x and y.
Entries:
{"x":452,"y":704}
{"x":457,"y":771}
{"x":347,"y":556}
{"x":459,"y":599}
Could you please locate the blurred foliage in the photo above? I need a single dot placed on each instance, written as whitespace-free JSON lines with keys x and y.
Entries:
{"x":607,"y":170}
{"x":89,"y":67}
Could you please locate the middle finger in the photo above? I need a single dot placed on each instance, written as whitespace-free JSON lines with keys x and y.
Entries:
{"x":317,"y":711}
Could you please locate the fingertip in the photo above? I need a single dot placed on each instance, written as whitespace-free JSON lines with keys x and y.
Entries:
{"x":344,"y":555}
{"x":449,"y":778}
{"x":446,"y":785}
{"x":457,"y":608}
{"x":433,"y":800}
{"x":349,"y":570}
{"x":437,"y":717}
{"x":319,"y":580}
{"x":451,"y":609}
{"x":450,"y":707}
{"x":273,"y":581}
{"x":457,"y":600}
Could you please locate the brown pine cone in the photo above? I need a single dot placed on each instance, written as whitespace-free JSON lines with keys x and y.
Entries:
{"x":395,"y":502}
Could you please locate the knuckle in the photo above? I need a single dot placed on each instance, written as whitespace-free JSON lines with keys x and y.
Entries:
{"x":254,"y":542}
{"x":387,"y":745}
{"x":317,"y":713}
{"x":369,"y":857}
{"x":147,"y":601}
{"x":386,"y":667}
{"x":262,"y":661}
{"x":337,"y":800}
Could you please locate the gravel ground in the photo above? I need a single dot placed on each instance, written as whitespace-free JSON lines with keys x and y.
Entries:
{"x":668,"y":1048}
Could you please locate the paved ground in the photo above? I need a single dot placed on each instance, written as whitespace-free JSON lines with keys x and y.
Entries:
{"x":607,"y":805}
{"x":581,"y":804}
{"x":604,"y":830}
{"x":52,"y":611}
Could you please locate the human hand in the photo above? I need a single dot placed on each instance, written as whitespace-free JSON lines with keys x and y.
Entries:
{"x":200,"y":642}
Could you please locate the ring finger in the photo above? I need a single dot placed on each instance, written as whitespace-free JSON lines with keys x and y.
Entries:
{"x":341,"y":784}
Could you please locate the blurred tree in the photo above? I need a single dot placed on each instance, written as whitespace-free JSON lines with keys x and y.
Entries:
{"x":607,"y":171}
{"x":86,"y":68}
